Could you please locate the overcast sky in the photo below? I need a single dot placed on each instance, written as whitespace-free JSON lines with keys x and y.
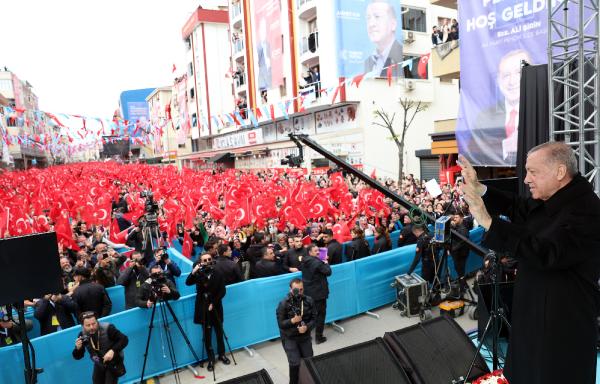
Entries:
{"x":80,"y":55}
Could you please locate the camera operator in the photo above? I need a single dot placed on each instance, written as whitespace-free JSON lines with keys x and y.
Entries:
{"x":314,"y":277}
{"x":296,"y":319}
{"x":169,"y":268}
{"x":55,"y":312}
{"x":208,"y":311}
{"x":9,"y":328}
{"x":156,"y":287}
{"x":132,"y":279}
{"x":268,"y":265}
{"x":407,"y":236}
{"x":459,"y":250}
{"x":423,"y":253}
{"x":229,"y":269}
{"x":294,"y":256}
{"x":105,"y":344}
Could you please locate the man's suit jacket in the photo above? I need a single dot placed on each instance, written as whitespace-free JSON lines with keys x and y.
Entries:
{"x":485,"y":137}
{"x":394,"y":57}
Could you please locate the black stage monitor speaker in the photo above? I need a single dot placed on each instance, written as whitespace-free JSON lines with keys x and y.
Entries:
{"x":29,"y":267}
{"x":435,"y":352}
{"x":369,"y":362}
{"x":260,"y":377}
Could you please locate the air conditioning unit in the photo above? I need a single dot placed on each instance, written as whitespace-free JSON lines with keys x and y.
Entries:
{"x":409,"y":84}
{"x":409,"y":37}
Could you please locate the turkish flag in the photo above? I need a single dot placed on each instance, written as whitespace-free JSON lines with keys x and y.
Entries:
{"x":4,"y":215}
{"x":341,"y":232}
{"x":188,"y":245}
{"x":422,"y":69}
{"x":115,"y":235}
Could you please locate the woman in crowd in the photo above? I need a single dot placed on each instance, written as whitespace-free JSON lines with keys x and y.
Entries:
{"x":383,"y":242}
{"x":358,"y":247}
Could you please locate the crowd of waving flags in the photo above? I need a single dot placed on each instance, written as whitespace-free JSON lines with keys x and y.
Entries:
{"x":146,"y":132}
{"x":33,"y":200}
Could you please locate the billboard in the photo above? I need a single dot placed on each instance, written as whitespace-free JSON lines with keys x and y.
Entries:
{"x":268,"y":44}
{"x":369,"y":36}
{"x":134,"y":108}
{"x":495,"y":37}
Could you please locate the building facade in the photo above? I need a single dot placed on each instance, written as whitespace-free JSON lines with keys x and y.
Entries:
{"x":286,"y":72}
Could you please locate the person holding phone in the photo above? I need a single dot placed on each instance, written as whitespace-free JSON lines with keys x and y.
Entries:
{"x":314,"y":277}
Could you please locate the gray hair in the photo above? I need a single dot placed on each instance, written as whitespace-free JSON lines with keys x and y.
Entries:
{"x":559,"y":153}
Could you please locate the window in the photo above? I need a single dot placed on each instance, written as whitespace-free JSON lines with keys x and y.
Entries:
{"x":413,"y":19}
{"x":194,"y":120}
{"x":6,"y":85}
{"x":190,"y":69}
{"x":283,"y":88}
{"x":192,"y":93}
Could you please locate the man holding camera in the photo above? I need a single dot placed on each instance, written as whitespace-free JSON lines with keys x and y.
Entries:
{"x":314,"y":277}
{"x":132,"y":279}
{"x":210,"y":290}
{"x":105,"y":344}
{"x":169,"y":268}
{"x":156,"y":287}
{"x":423,"y":253}
{"x":296,"y":319}
{"x":55,"y":312}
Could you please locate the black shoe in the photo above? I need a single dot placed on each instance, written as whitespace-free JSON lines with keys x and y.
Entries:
{"x":224,"y":359}
{"x":210,"y":366}
{"x":320,"y":339}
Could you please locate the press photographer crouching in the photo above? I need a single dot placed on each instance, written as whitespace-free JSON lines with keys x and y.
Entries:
{"x":210,"y":290}
{"x":105,"y":344}
{"x":157,"y":287}
{"x":296,"y":319}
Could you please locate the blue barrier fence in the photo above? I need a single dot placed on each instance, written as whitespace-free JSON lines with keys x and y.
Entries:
{"x":355,"y":287}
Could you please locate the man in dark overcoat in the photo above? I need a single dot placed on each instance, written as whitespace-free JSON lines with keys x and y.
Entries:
{"x":555,"y":235}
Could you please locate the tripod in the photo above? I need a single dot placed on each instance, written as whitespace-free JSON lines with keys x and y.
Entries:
{"x":496,"y":316}
{"x":163,"y":314}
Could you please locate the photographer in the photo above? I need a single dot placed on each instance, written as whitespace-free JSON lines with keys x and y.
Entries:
{"x":156,"y":287}
{"x":132,"y":279}
{"x":296,"y":319}
{"x":208,"y":312}
{"x":314,"y":277}
{"x":169,"y":268}
{"x":9,"y":329}
{"x":423,"y":253}
{"x":55,"y":312}
{"x":105,"y":344}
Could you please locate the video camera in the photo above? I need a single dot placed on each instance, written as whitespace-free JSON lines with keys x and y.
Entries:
{"x":295,"y":302}
{"x":292,"y":161}
{"x":157,"y":281}
{"x":151,"y":208}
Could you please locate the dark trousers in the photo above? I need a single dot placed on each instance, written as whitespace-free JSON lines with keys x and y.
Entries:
{"x":460,"y":263}
{"x":296,"y":350}
{"x":428,"y":271}
{"x":103,"y":376}
{"x":213,"y":323}
{"x":321,"y":308}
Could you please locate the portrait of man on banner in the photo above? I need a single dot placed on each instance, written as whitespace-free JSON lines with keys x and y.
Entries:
{"x":382,"y":24}
{"x":268,"y":45}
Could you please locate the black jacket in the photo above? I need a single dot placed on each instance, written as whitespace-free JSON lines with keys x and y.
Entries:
{"x":406,"y":236}
{"x":459,"y":248}
{"x":265,"y":268}
{"x":170,"y":270}
{"x":146,"y":293}
{"x":64,"y":311}
{"x":555,"y":303}
{"x":108,"y":337}
{"x":91,"y":296}
{"x":293,"y":257}
{"x":380,"y":245}
{"x":132,"y":280}
{"x":285,"y":311}
{"x":357,"y":249}
{"x":210,"y":289}
{"x":253,"y":254}
{"x":334,"y":252}
{"x":314,"y":277}
{"x":229,"y":269}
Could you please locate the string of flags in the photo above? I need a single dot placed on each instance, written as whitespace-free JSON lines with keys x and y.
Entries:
{"x":147,"y":132}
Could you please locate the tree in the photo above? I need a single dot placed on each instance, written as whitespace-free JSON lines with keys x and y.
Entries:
{"x":410,"y":109}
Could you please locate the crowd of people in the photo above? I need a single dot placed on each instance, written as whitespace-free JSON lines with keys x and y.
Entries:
{"x":447,"y":31}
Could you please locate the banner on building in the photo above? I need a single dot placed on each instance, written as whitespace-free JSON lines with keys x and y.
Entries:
{"x":369,"y":37}
{"x":495,"y":37}
{"x":239,"y":139}
{"x":268,"y":44}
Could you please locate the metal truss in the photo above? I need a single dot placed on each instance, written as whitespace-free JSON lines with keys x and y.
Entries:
{"x":573,"y":33}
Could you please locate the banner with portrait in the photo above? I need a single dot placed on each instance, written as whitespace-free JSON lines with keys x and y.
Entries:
{"x":369,"y":37}
{"x":268,"y":44}
{"x":495,"y":38}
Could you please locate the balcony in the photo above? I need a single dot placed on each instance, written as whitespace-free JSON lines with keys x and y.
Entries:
{"x":446,"y":61}
{"x":307,"y":9}
{"x":238,"y":49}
{"x":239,"y":81}
{"x":236,"y":14}
{"x":309,"y":49}
{"x":445,"y":3}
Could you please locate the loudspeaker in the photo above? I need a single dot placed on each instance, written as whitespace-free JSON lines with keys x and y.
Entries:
{"x":369,"y":362}
{"x":29,"y":267}
{"x":260,"y":377}
{"x":435,"y":352}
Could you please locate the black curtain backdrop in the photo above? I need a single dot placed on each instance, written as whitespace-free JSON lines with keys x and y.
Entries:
{"x":534,"y":117}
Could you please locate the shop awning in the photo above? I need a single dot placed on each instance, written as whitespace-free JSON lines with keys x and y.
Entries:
{"x":221,"y":157}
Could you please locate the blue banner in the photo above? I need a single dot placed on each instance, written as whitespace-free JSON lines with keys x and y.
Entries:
{"x":369,"y":37}
{"x":495,"y":37}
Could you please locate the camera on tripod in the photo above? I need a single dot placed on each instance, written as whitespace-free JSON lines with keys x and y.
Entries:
{"x":157,"y":281}
{"x":151,"y":208}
